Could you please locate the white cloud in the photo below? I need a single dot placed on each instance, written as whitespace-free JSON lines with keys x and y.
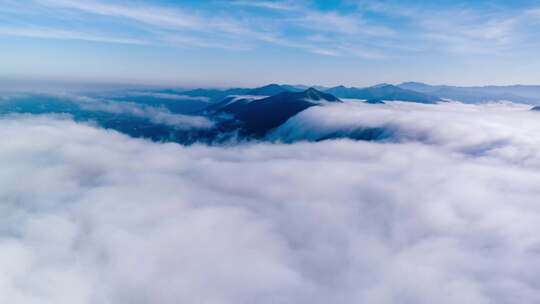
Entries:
{"x":374,"y":30}
{"x":189,"y":41}
{"x":347,"y":24}
{"x":92,"y":216}
{"x":464,"y":128}
{"x":464,"y":29}
{"x":153,"y":15}
{"x":325,"y":52}
{"x":179,"y":26}
{"x":170,"y":96}
{"x":535,"y":12}
{"x":170,"y":25}
{"x":158,"y":16}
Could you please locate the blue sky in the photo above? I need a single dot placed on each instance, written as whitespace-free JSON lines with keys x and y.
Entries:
{"x":242,"y":42}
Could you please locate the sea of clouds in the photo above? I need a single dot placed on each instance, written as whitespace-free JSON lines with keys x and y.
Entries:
{"x":445,"y":210}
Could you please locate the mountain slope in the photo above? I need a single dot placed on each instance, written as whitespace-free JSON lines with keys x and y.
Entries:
{"x":231,"y":102}
{"x":257,"y":117}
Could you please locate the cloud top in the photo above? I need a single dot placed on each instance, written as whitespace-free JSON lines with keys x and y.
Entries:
{"x":93,"y":216}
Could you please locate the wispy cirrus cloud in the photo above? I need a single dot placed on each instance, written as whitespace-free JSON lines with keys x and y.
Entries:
{"x":153,"y":15}
{"x":160,"y":16}
{"x":183,"y":27}
{"x":181,"y":40}
{"x":370,"y":33}
{"x":63,"y":34}
{"x":166,"y":25}
{"x":273,"y":5}
{"x":463,"y":28}
{"x":347,"y":24}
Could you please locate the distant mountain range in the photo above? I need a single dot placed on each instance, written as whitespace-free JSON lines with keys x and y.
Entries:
{"x":241,"y":113}
{"x":382,"y":92}
{"x":376,"y":93}
{"x":515,"y":93}
{"x":254,"y":112}
{"x":407,"y":91}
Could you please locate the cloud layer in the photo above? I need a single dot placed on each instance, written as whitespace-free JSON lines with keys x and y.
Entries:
{"x":93,"y":216}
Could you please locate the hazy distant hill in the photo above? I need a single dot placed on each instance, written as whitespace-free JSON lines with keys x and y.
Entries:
{"x":271,"y":89}
{"x":515,"y":93}
{"x":217,"y":95}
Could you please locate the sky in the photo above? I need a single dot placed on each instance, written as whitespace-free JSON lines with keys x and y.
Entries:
{"x":249,"y":43}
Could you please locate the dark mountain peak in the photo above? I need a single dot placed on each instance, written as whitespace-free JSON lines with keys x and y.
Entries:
{"x":316,"y":95}
{"x":294,"y":88}
{"x":412,"y":83}
{"x":257,"y":117}
{"x":268,"y":90}
{"x":536,"y":108}
{"x":274,"y":86}
{"x":419,"y":87}
{"x":339,"y":90}
{"x":310,"y":95}
{"x":386,"y":87}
